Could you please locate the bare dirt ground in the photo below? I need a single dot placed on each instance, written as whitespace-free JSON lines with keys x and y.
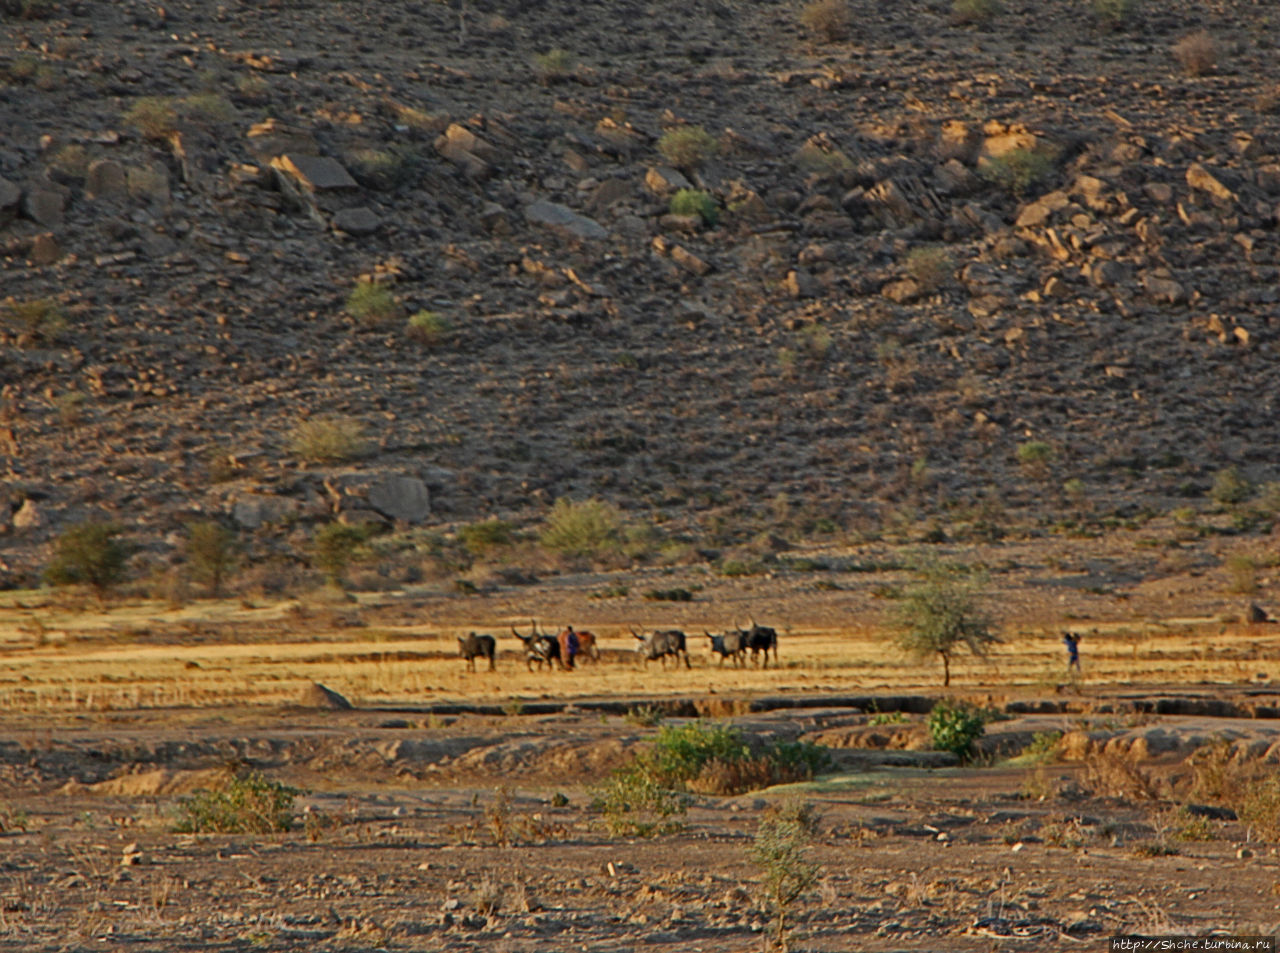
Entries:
{"x":454,"y":811}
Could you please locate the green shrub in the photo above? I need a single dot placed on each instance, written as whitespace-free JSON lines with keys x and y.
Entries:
{"x":1043,"y":747}
{"x":1258,"y":806}
{"x":210,"y":552}
{"x":372,"y":303}
{"x":428,"y":327}
{"x":207,"y":107}
{"x":822,"y":158}
{"x":553,"y":66}
{"x":828,"y":20}
{"x":695,"y":202}
{"x":1018,"y":170}
{"x":954,"y":727}
{"x":1230,"y":487}
{"x":636,"y":805}
{"x":480,"y":538}
{"x":781,"y":851}
{"x":940,"y":613}
{"x":589,"y":529}
{"x":250,"y":804}
{"x":687,"y":147}
{"x":1243,"y":573}
{"x":156,"y":117}
{"x":931,"y":266}
{"x":1115,"y":13}
{"x":334,"y":547}
{"x":974,"y":11}
{"x":328,"y":440}
{"x":36,"y":321}
{"x":88,"y":554}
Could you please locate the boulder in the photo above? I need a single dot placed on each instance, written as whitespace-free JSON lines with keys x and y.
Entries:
{"x":316,"y":695}
{"x":1201,"y":179}
{"x":663,"y":180}
{"x":45,"y":206}
{"x":356,"y":221}
{"x":314,"y":173}
{"x":564,"y":220}
{"x":10,"y":199}
{"x":252,"y":511}
{"x":45,"y":249}
{"x":401,"y":498}
{"x":105,"y":179}
{"x":28,"y":517}
{"x":801,"y":284}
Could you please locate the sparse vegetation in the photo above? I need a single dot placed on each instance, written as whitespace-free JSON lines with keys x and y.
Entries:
{"x":696,"y":202}
{"x":1196,"y":53}
{"x":1258,"y":806}
{"x":1115,"y":14}
{"x":828,"y":20}
{"x":940,"y":614}
{"x":974,"y":12}
{"x":210,"y":552}
{"x":155,"y":117}
{"x":487,"y":535}
{"x":328,"y":440}
{"x":372,"y":303}
{"x":334,"y":547}
{"x":587,"y":529}
{"x":1017,"y":171}
{"x":687,"y":147}
{"x":781,"y":851}
{"x":955,"y":726}
{"x":33,"y":321}
{"x":428,"y":327}
{"x":246,"y":804}
{"x":932,"y":266}
{"x":1230,"y":487}
{"x":90,"y":554}
{"x":553,"y":66}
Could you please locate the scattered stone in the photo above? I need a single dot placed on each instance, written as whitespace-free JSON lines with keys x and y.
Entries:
{"x":314,"y":173}
{"x":28,"y":517}
{"x":801,"y":284}
{"x":253,"y":511}
{"x":356,"y":221}
{"x":10,"y":199}
{"x":105,"y":179}
{"x":1198,"y":177}
{"x":562,"y":219}
{"x":663,"y":180}
{"x":689,"y":261}
{"x":401,"y":498}
{"x":45,"y":206}
{"x":271,"y":138}
{"x":316,"y":695}
{"x":45,"y":249}
{"x":902,"y":290}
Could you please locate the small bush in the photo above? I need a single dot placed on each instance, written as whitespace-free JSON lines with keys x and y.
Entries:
{"x":1109,"y":774}
{"x":372,"y":303}
{"x":36,"y":321}
{"x":1018,"y":170}
{"x":634,"y":804}
{"x":932,"y":267}
{"x":974,"y":12}
{"x":669,"y":595}
{"x":382,"y":169}
{"x":1035,"y":456}
{"x":1243,"y":574}
{"x":553,"y":66}
{"x":1043,"y":747}
{"x":207,"y":107}
{"x":954,"y":727}
{"x":328,"y":440}
{"x":828,"y":20}
{"x":427,"y":327}
{"x":88,"y":554}
{"x":156,"y":117}
{"x":588,"y":529}
{"x":334,"y":547}
{"x":1258,"y":806}
{"x":1115,"y":14}
{"x":210,"y":552}
{"x":645,"y":716}
{"x":781,"y":851}
{"x":687,"y":147}
{"x":480,"y":538}
{"x":696,"y":202}
{"x":250,"y":804}
{"x":822,"y":158}
{"x":1230,"y":487}
{"x":1196,"y":53}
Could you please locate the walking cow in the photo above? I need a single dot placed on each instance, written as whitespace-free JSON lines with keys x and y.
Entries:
{"x":662,"y":644}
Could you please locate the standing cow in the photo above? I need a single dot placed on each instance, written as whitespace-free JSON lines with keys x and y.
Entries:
{"x":539,"y":648}
{"x":586,"y":644}
{"x":760,"y":639}
{"x":730,"y":645}
{"x":474,"y":646}
{"x":662,"y":644}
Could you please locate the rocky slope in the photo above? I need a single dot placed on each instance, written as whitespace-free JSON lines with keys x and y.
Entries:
{"x":937,"y":243}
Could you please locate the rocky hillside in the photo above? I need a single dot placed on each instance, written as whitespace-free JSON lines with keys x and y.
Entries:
{"x":946,"y":273}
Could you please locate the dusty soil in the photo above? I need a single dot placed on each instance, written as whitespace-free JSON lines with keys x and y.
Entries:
{"x":410,"y":841}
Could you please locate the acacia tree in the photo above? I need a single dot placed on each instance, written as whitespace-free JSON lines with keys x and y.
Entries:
{"x":941,"y":613}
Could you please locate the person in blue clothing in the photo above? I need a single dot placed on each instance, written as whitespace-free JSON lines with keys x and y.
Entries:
{"x":1072,"y":641}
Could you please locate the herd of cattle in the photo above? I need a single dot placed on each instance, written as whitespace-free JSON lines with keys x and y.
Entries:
{"x":565,"y":649}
